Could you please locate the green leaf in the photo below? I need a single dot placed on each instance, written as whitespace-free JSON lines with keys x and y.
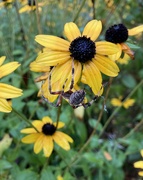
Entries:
{"x":4,"y":164}
{"x":129,"y":81}
{"x":47,"y":174}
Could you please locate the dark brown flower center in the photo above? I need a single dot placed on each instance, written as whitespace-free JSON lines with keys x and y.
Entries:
{"x":82,"y":49}
{"x":117,"y":33}
{"x":31,"y":2}
{"x":48,"y":129}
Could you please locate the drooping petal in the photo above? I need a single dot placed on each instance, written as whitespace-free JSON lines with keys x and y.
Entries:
{"x":124,"y":60}
{"x":135,"y":31}
{"x":116,"y":56}
{"x":92,"y":29}
{"x":8,"y":68}
{"x":127,"y":50}
{"x":39,"y":144}
{"x":138,"y":164}
{"x":2,"y":59}
{"x":44,"y":76}
{"x":46,"y":119}
{"x":36,"y":67}
{"x":28,"y":131}
{"x":71,"y":31}
{"x":30,"y":138}
{"x":52,"y":58}
{"x":53,"y":42}
{"x":92,"y":77}
{"x":44,"y":91}
{"x":106,"y":65}
{"x":64,"y":73}
{"x":60,"y":139}
{"x":106,"y":48}
{"x":4,"y":106}
{"x":8,"y":91}
{"x":48,"y":145}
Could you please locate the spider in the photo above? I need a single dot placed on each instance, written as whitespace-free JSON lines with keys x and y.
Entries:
{"x":75,"y":99}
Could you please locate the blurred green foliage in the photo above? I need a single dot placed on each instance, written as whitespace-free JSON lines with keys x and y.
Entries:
{"x":17,"y":33}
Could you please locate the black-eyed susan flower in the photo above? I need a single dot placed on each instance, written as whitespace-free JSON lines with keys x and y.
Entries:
{"x":47,"y":133}
{"x":7,"y":91}
{"x":118,"y":102}
{"x":89,"y":56}
{"x":119,"y":34}
{"x":30,"y":5}
{"x":139,"y":164}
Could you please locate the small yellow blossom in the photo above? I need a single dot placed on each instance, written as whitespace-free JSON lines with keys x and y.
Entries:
{"x":118,"y":102}
{"x":139,"y":164}
{"x":45,"y":135}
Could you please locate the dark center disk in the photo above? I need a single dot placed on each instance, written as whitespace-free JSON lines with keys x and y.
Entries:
{"x":31,"y":2}
{"x":48,"y":129}
{"x":82,"y":49}
{"x":116,"y":34}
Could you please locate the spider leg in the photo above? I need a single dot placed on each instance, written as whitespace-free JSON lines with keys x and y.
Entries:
{"x":86,"y":105}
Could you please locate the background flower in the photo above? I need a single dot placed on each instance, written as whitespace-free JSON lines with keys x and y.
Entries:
{"x":7,"y":91}
{"x":45,"y":135}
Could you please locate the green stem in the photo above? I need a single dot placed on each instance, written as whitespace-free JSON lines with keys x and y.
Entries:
{"x":23,"y":118}
{"x":118,"y":108}
{"x":58,"y":115}
{"x":38,"y":18}
{"x":134,"y":129}
{"x":76,"y":16}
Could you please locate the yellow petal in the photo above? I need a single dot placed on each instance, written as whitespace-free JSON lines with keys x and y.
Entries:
{"x":141,"y":152}
{"x":53,"y":42}
{"x":135,"y":31}
{"x":52,"y":58}
{"x":64,"y":73}
{"x":124,"y":60}
{"x":8,"y":68}
{"x":92,"y":29}
{"x":140,"y":173}
{"x":44,"y":91}
{"x":38,"y":125}
{"x":26,"y":8}
{"x":8,"y":91}
{"x":42,"y":77}
{"x":34,"y":66}
{"x":116,"y":56}
{"x":2,"y":59}
{"x":106,"y":66}
{"x":48,"y":146}
{"x":128,"y":103}
{"x":106,"y":48}
{"x":30,"y":138}
{"x":39,"y":143}
{"x":92,"y":77}
{"x":71,"y":31}
{"x":60,"y":139}
{"x":4,"y":106}
{"x":116,"y":102}
{"x":46,"y":119}
{"x":60,"y":125}
{"x":28,"y":131}
{"x":138,"y":164}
